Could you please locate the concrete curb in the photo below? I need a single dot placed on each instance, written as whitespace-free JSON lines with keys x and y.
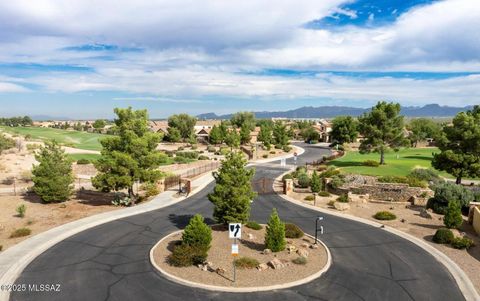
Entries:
{"x":287,"y":156}
{"x":239,"y":289}
{"x":464,"y":283}
{"x":14,"y":260}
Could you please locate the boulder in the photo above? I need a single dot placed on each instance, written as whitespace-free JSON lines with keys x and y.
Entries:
{"x":341,"y":206}
{"x":250,"y":236}
{"x":277,"y":263}
{"x":302,"y":253}
{"x":314,"y":246}
{"x":304,"y":245}
{"x":425,"y":214}
{"x":266,"y":252}
{"x":262,"y":267}
{"x":291,"y":248}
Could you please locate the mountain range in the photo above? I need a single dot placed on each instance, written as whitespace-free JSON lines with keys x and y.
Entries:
{"x":430,"y":110}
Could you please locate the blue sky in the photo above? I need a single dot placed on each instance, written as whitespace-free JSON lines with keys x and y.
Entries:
{"x":72,"y":59}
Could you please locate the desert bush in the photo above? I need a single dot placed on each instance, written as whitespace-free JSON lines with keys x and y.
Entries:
{"x":151,"y":189}
{"x":265,"y":156}
{"x":462,"y":243}
{"x":300,"y":260}
{"x":20,"y":232}
{"x":194,"y":147}
{"x":83,"y":161}
{"x":275,"y":234}
{"x":185,"y":255}
{"x":293,"y":231}
{"x":330,"y":172}
{"x":385,"y":216}
{"x":453,"y":216}
{"x":180,"y":160}
{"x":273,"y":152}
{"x":286,"y":148}
{"x":197,"y":233}
{"x":21,"y":209}
{"x":443,"y":236}
{"x":188,"y":155}
{"x":309,"y":198}
{"x":322,"y":167}
{"x":121,"y":199}
{"x":211,"y":149}
{"x":33,"y":146}
{"x":287,"y":176}
{"x":425,"y":174}
{"x":180,"y":148}
{"x":224,"y":151}
{"x":444,"y":193}
{"x":371,"y":163}
{"x":278,"y":146}
{"x":324,"y":193}
{"x":343,"y":198}
{"x":410,"y":181}
{"x":26,"y":176}
{"x":203,"y":157}
{"x":246,"y":263}
{"x":8,"y":181}
{"x":253,"y":225}
{"x":337,"y":181}
{"x":303,"y":180}
{"x":331,"y":203}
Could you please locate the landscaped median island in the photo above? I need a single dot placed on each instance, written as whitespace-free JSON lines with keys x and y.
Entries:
{"x":256,"y":265}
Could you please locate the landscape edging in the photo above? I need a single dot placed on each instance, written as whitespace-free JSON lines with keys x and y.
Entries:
{"x":463,"y":281}
{"x":215,"y":288}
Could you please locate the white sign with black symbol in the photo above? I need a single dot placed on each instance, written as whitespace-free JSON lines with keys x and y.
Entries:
{"x":235,"y":230}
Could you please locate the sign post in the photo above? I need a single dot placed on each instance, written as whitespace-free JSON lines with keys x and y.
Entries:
{"x":234,"y":231}
{"x":295,"y":158}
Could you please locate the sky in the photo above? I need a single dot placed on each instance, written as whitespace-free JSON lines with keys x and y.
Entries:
{"x":82,"y":58}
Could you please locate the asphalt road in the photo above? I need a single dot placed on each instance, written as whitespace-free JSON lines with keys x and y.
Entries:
{"x":111,"y":261}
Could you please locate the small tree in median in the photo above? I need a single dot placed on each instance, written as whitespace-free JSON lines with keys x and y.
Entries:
{"x":197,"y":233}
{"x":453,"y":216}
{"x":53,"y":176}
{"x":315,"y":182}
{"x":233,"y":190}
{"x":275,"y":233}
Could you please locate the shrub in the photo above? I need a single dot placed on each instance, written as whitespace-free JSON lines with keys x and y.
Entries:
{"x":293,"y":231}
{"x":180,"y":159}
{"x":303,"y":180}
{"x":343,"y":198}
{"x":275,"y":234}
{"x":188,"y":155}
{"x":425,"y":174}
{"x":203,"y":157}
{"x":385,"y":216}
{"x":194,"y":147}
{"x":287,"y":176}
{"x":286,"y":148}
{"x":443,"y":236}
{"x":331,"y":203}
{"x":371,"y":163}
{"x":272,"y":152}
{"x":462,"y":243}
{"x":309,"y":198}
{"x":413,"y":182}
{"x":21,"y":210}
{"x":324,"y":193}
{"x":316,"y":182}
{"x":453,"y":216}
{"x":8,"y":181}
{"x":265,"y":156}
{"x":300,"y":260}
{"x":121,"y":200}
{"x":33,"y":146}
{"x":224,"y":151}
{"x":180,"y":148}
{"x":185,"y":255}
{"x":246,"y":263}
{"x":337,"y":181}
{"x":211,"y":149}
{"x":278,"y":146}
{"x":444,"y":193}
{"x":83,"y":161}
{"x":197,"y":233}
{"x":151,"y":189}
{"x":20,"y":232}
{"x":330,"y":172}
{"x":253,"y":225}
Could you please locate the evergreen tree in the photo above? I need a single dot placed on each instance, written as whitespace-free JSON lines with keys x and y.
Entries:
{"x":265,"y":135}
{"x":233,"y":138}
{"x":460,"y":146}
{"x":315,"y":182}
{"x":197,"y":233}
{"x":280,"y":135}
{"x":275,"y":233}
{"x":130,"y":156}
{"x":233,"y":191}
{"x":382,"y":129}
{"x":53,"y":176}
{"x":453,"y":216}
{"x":244,"y":135}
{"x":215,"y":136}
{"x":173,"y":135}
{"x":344,"y":129}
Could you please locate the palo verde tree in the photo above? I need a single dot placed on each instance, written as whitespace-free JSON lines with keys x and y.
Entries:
{"x":459,"y":146}
{"x":423,"y":128}
{"x":233,"y":191}
{"x":344,"y":129}
{"x":130,"y":156}
{"x":382,"y":129}
{"x":173,"y":135}
{"x":53,"y":176}
{"x":184,"y":123}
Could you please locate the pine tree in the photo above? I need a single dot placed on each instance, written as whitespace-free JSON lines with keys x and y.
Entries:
{"x":233,"y":139}
{"x":265,"y":135}
{"x":233,"y":191}
{"x":197,"y":233}
{"x":453,"y":216}
{"x":280,"y":134}
{"x":275,"y":233}
{"x":244,"y":135}
{"x":129,"y":157}
{"x":315,"y":182}
{"x":53,"y":176}
{"x":215,"y":136}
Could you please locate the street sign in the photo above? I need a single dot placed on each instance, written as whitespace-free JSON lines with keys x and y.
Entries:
{"x":234,"y":249}
{"x":283,"y":162}
{"x":235,"y":230}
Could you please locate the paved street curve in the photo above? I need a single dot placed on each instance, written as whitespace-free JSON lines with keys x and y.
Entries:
{"x":111,"y":261}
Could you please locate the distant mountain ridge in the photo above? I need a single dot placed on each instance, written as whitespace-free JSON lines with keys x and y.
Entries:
{"x":430,"y":110}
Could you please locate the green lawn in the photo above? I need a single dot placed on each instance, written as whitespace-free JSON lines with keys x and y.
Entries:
{"x":90,"y":157}
{"x":82,"y":140}
{"x":407,"y":160}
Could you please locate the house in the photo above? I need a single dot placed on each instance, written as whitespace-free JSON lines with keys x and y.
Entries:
{"x":158,"y":126}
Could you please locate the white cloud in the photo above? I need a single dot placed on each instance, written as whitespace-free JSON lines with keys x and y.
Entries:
{"x":6,"y":87}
